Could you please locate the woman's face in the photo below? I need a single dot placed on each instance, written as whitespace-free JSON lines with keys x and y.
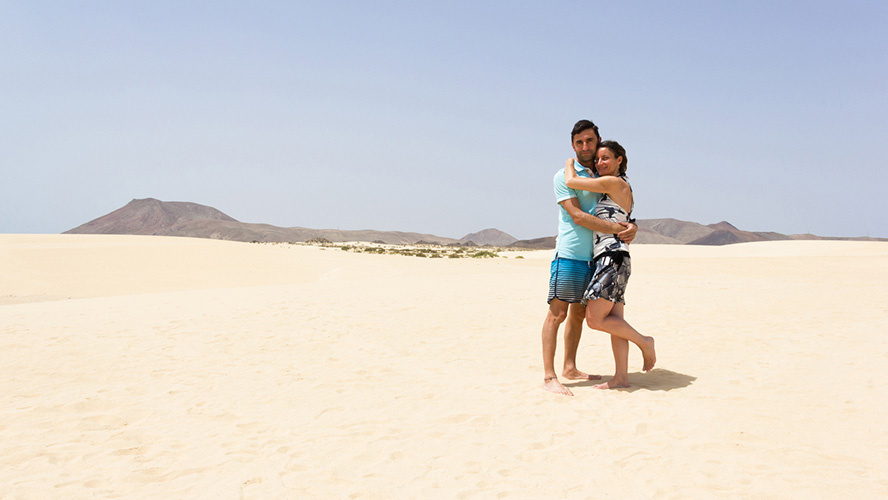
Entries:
{"x":606,"y":163}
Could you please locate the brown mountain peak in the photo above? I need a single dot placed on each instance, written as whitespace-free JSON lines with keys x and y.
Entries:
{"x":149,"y":216}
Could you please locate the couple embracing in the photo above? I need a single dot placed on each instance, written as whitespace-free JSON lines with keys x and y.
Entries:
{"x":592,"y":265}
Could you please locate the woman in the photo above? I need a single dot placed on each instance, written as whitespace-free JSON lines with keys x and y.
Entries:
{"x":604,"y":296}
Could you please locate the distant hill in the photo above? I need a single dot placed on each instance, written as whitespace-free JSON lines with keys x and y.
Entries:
{"x":536,"y":243}
{"x":722,"y":233}
{"x":673,"y":231}
{"x":679,"y":232}
{"x":670,"y":231}
{"x":489,"y":237}
{"x":173,"y":218}
{"x":170,"y":218}
{"x":150,"y":216}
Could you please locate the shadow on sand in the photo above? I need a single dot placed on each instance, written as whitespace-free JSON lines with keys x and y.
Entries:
{"x":657,"y":379}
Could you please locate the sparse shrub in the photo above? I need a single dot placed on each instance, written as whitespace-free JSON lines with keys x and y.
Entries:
{"x":483,"y":254}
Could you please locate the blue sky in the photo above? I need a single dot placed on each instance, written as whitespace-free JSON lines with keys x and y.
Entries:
{"x":446,"y":117}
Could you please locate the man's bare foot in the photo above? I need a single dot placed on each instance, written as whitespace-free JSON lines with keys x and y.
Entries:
{"x":578,"y":375}
{"x":552,"y":384}
{"x":614,"y":383}
{"x":649,"y":355}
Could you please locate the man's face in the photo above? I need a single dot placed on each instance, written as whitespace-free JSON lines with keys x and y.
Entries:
{"x":585,"y":145}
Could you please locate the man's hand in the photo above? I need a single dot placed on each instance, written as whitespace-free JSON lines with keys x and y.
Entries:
{"x":628,"y":234}
{"x":589,"y":221}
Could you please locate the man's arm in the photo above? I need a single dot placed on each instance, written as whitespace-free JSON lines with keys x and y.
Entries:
{"x":624,"y":232}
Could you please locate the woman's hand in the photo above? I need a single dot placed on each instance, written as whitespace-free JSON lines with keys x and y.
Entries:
{"x":569,"y":171}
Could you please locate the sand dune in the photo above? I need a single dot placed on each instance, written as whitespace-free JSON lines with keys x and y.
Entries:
{"x":154,"y":367}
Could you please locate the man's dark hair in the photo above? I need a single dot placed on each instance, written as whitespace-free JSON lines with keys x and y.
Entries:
{"x":584,"y":125}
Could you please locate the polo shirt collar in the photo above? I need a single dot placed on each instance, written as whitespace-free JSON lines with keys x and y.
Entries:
{"x":579,"y":167}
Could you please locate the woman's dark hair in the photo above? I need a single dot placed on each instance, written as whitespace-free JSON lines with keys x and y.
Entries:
{"x":618,"y":151}
{"x":584,"y":125}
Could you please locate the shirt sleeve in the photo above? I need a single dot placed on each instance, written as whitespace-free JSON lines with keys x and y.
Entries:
{"x":562,"y":192}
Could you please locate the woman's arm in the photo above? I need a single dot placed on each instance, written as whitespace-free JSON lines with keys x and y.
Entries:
{"x":596,"y":185}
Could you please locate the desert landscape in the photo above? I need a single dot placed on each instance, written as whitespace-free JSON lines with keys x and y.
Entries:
{"x":302,"y":250}
{"x":150,"y":216}
{"x":164,"y":367}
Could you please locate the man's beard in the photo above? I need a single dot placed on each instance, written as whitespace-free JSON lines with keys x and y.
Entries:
{"x":586,"y":160}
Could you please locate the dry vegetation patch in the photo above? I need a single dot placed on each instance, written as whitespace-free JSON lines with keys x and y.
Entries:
{"x":424,"y":250}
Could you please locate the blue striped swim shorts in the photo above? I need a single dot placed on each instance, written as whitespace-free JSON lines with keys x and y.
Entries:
{"x":569,"y":279}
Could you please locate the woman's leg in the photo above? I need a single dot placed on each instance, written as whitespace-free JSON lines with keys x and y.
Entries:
{"x":599,"y":317}
{"x":621,"y":357}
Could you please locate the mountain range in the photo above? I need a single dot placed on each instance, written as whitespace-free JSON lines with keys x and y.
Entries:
{"x":174,"y":218}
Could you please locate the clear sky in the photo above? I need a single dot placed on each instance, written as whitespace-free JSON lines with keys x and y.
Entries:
{"x":443,"y":117}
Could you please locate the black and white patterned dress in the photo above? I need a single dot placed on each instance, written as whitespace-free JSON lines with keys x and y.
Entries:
{"x":610,"y":255}
{"x":607,"y":209}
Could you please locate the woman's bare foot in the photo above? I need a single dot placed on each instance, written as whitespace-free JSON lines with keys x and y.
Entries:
{"x":614,"y":383}
{"x":578,"y":375}
{"x":649,"y":355}
{"x":552,"y":384}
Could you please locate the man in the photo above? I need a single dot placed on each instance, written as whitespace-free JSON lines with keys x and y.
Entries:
{"x":572,"y":268}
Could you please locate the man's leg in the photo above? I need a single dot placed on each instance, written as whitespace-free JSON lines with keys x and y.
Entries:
{"x":621,"y":357}
{"x":554,"y":317}
{"x":573,"y":330}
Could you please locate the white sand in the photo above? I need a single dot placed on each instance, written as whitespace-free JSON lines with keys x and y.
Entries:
{"x":147,"y":367}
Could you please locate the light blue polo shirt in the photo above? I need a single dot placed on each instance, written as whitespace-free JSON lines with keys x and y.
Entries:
{"x":574,"y":241}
